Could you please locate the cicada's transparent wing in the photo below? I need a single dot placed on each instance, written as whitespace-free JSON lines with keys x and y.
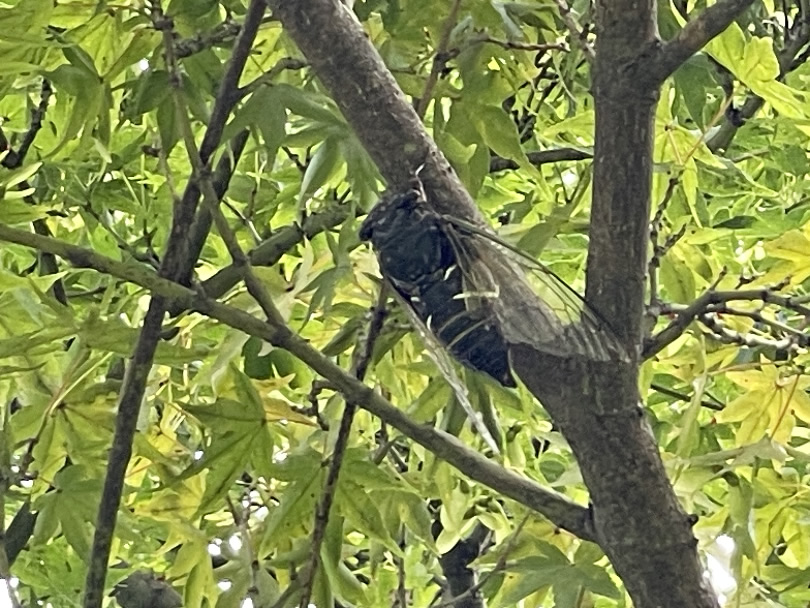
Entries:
{"x":439,"y":356}
{"x":585,"y":330}
{"x":550,"y":316}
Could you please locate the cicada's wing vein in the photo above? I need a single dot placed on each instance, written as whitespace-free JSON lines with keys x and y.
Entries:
{"x":480,"y":287}
{"x":439,"y":356}
{"x":584,"y":327}
{"x":555,"y":319}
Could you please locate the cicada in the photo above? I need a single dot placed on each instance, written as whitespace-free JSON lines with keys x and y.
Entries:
{"x":469,"y":289}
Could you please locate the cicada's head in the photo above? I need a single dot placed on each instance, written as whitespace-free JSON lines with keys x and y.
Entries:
{"x":391,"y":215}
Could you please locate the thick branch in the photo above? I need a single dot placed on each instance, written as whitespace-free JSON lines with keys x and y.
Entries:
{"x":557,"y":508}
{"x":695,"y":35}
{"x":640,"y":523}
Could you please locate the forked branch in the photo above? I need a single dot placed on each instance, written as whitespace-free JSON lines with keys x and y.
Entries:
{"x":714,"y":302}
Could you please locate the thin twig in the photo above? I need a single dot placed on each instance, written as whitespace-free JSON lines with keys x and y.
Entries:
{"x":664,"y":390}
{"x":223,"y":32}
{"x":37,"y":116}
{"x":701,"y":305}
{"x":523,"y":46}
{"x":270,"y":251}
{"x":439,"y":60}
{"x":758,"y":317}
{"x":731,"y":336}
{"x":13,"y":160}
{"x":660,"y":250}
{"x":578,"y":36}
{"x":285,"y":63}
{"x":365,"y":350}
{"x":541,"y":157}
{"x":325,"y":504}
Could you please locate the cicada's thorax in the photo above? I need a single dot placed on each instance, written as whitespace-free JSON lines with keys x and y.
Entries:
{"x":417,"y":256}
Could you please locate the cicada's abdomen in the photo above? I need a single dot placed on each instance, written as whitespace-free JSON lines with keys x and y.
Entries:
{"x":417,"y":257}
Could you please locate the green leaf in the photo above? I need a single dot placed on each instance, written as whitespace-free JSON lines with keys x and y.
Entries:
{"x":140,"y":45}
{"x":678,"y":280}
{"x":309,"y":105}
{"x":296,"y":505}
{"x":361,"y":512}
{"x":13,"y":212}
{"x":153,"y":88}
{"x":226,"y":459}
{"x":755,"y":64}
{"x":322,"y":166}
{"x":167,"y":123}
{"x":500,"y":133}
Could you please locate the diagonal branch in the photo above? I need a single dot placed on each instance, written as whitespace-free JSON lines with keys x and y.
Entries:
{"x":694,"y":36}
{"x":557,"y":508}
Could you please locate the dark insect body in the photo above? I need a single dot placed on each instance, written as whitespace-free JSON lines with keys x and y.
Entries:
{"x":417,"y":255}
{"x":471,"y":292}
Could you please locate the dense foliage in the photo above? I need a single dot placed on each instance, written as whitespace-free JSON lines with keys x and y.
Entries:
{"x":100,"y":102}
